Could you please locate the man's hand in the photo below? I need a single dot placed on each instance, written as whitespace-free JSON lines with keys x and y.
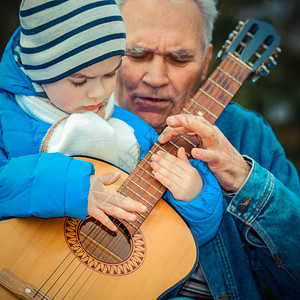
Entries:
{"x":225,"y":162}
{"x":102,"y":202}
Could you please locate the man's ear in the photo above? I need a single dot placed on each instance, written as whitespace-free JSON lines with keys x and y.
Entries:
{"x":207,"y":59}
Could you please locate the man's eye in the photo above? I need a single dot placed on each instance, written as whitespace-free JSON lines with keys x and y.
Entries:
{"x":137,"y":57}
{"x":178,"y":61}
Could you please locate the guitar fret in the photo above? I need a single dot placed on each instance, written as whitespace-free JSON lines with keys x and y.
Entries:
{"x":145,"y":171}
{"x":122,"y":193}
{"x":212,"y":98}
{"x":128,"y":196}
{"x":209,"y":112}
{"x":143,"y":188}
{"x":215,"y":100}
{"x":131,"y":224}
{"x":141,"y":215}
{"x":231,"y":77}
{"x":187,"y":140}
{"x":145,"y":160}
{"x":141,"y":178}
{"x":240,"y":63}
{"x":188,"y":112}
{"x":174,"y":144}
{"x":160,"y":147}
{"x":140,"y":195}
{"x":219,"y":86}
{"x":177,"y":147}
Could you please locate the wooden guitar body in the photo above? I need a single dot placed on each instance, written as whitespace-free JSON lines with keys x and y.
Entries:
{"x":162,"y":253}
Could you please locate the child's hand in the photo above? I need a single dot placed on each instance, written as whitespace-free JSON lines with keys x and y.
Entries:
{"x":177,"y":175}
{"x":102,"y":202}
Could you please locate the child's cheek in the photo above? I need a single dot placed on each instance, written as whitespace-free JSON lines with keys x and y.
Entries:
{"x":71,"y":98}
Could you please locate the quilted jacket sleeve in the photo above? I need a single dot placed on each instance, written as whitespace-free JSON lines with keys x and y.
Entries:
{"x":204,"y":213}
{"x":44,"y":185}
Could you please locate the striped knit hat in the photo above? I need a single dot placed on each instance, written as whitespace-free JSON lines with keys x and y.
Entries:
{"x":61,"y":37}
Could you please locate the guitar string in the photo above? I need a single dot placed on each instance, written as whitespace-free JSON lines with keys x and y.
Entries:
{"x":56,"y":269}
{"x":92,"y":273}
{"x":111,"y":246}
{"x":143,"y":192}
{"x":96,"y":277}
{"x":98,"y":229}
{"x":195,"y":102}
{"x":142,"y":162}
{"x":86,"y":266}
{"x":222,"y":81}
{"x":143,"y":181}
{"x":182,"y":137}
{"x":172,"y":145}
{"x":74,"y":257}
{"x":191,"y":109}
{"x":147,"y":172}
{"x":88,"y":277}
{"x":65,"y":259}
{"x":220,"y":84}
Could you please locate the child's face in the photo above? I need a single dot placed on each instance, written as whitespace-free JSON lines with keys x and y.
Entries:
{"x":86,"y":90}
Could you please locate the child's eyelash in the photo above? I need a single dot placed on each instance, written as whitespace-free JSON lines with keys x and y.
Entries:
{"x":110,"y":75}
{"x":78,"y":84}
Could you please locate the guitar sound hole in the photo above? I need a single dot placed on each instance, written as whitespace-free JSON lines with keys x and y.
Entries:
{"x":103,"y":244}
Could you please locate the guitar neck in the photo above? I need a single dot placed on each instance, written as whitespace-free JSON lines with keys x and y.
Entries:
{"x":219,"y":89}
{"x":209,"y":102}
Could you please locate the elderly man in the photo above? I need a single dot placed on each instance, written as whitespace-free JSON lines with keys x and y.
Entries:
{"x":256,"y":249}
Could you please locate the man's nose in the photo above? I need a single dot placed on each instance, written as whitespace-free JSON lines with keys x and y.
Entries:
{"x":97,"y":90}
{"x":157,"y":72}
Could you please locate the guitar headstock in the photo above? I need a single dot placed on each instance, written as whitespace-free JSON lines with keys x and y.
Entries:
{"x":256,"y":44}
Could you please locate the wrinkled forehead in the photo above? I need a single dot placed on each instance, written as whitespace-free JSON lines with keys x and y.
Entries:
{"x":163,"y":26}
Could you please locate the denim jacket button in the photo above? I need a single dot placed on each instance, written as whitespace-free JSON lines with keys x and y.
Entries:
{"x":242,"y":208}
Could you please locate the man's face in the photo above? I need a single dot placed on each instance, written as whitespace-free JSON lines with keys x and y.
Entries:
{"x":164,"y":63}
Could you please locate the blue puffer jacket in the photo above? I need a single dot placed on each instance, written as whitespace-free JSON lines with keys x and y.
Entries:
{"x":54,"y":185}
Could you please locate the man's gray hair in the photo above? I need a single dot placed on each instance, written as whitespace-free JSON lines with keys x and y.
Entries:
{"x":209,"y":13}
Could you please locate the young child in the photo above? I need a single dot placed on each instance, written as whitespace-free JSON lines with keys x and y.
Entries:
{"x":57,"y":74}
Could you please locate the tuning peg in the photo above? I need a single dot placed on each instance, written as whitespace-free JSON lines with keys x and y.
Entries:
{"x":230,"y":38}
{"x":220,"y":54}
{"x":224,"y":48}
{"x":271,"y":62}
{"x":254,"y":78}
{"x":232,"y":35}
{"x":276,"y":52}
{"x":261,"y":72}
{"x":240,"y":25}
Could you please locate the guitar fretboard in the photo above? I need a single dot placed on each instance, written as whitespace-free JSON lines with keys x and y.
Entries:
{"x":209,"y":102}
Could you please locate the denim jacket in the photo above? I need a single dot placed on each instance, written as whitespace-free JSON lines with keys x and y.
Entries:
{"x":257,"y":246}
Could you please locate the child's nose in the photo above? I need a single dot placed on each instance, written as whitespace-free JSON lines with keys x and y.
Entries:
{"x":97,"y":90}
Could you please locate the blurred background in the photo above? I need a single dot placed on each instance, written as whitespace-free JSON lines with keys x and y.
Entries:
{"x":277,"y":96}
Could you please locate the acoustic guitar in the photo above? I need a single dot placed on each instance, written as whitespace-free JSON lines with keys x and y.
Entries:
{"x":67,"y":258}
